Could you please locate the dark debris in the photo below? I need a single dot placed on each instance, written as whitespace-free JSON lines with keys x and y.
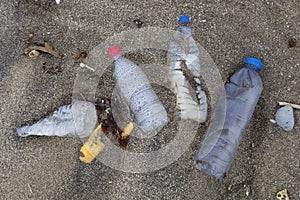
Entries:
{"x":109,"y":126}
{"x":138,"y":23}
{"x":80,"y":55}
{"x":293,"y":43}
{"x":51,"y":69}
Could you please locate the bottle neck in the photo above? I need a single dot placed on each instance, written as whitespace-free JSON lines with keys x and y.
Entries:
{"x":117,"y":57}
{"x":252,"y":67}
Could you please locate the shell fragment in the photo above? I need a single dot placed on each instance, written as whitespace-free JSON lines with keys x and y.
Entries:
{"x":282,"y":195}
{"x":285,"y":117}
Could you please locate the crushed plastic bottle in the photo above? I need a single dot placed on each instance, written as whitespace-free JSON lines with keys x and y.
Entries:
{"x":137,"y":91}
{"x":183,"y":51}
{"x":236,"y":106}
{"x":77,"y":119}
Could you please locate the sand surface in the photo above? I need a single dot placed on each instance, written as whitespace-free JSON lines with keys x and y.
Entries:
{"x":49,"y":168}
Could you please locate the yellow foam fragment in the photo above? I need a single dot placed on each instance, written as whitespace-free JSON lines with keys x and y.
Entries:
{"x":93,"y":146}
{"x":127,"y":130}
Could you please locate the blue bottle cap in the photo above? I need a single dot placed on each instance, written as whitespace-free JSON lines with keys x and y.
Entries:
{"x":253,"y":61}
{"x":184,"y":19}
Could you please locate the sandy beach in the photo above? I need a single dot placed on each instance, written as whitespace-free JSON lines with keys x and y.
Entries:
{"x":267,"y":160}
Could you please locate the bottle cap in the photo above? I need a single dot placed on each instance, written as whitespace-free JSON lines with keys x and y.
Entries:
{"x":253,"y":61}
{"x":184,"y":19}
{"x":114,"y":51}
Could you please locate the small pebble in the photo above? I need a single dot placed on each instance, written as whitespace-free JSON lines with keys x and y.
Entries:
{"x":138,"y":23}
{"x":285,"y":118}
{"x":292,"y":43}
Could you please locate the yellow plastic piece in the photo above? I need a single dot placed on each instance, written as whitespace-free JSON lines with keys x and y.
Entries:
{"x":93,"y":146}
{"x":127,"y":130}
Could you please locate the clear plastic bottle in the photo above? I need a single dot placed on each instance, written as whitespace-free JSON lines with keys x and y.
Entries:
{"x":137,"y":91}
{"x":231,"y":116}
{"x":184,"y":52}
{"x":76,"y":119}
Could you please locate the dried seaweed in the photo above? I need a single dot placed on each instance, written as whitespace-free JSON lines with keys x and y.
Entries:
{"x":46,"y":48}
{"x":109,"y":126}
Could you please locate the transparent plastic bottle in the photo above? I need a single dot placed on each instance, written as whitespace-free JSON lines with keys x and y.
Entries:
{"x":184,"y":53}
{"x":231,"y":116}
{"x":76,"y":119}
{"x":135,"y":87}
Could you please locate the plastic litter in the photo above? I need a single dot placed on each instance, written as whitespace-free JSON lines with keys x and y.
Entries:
{"x":93,"y":146}
{"x":285,"y":118}
{"x":77,"y":119}
{"x":184,"y":52}
{"x":138,"y":93}
{"x":237,"y":103}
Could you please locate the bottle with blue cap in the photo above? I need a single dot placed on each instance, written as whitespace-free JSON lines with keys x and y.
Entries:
{"x":184,"y":55}
{"x":231,"y":117}
{"x":184,"y":19}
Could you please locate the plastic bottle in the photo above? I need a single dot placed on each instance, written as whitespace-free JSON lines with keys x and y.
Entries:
{"x":137,"y":91}
{"x":77,"y":119}
{"x":235,"y":108}
{"x":184,"y":52}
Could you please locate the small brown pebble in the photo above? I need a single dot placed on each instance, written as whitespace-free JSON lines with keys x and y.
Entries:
{"x":44,"y":65}
{"x":58,"y":69}
{"x":138,"y":23}
{"x":80,"y":55}
{"x":292,"y":43}
{"x":30,"y":36}
{"x":229,"y":187}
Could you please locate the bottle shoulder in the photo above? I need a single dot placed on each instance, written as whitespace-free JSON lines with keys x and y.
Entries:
{"x":246,"y":76}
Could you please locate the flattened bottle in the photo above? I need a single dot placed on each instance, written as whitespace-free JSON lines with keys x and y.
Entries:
{"x":231,"y":116}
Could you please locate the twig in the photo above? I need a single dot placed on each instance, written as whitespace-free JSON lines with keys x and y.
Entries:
{"x":30,"y":188}
{"x":86,"y":66}
{"x":82,"y":96}
{"x":286,"y":103}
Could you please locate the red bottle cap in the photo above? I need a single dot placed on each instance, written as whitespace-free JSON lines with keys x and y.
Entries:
{"x":114,"y":51}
